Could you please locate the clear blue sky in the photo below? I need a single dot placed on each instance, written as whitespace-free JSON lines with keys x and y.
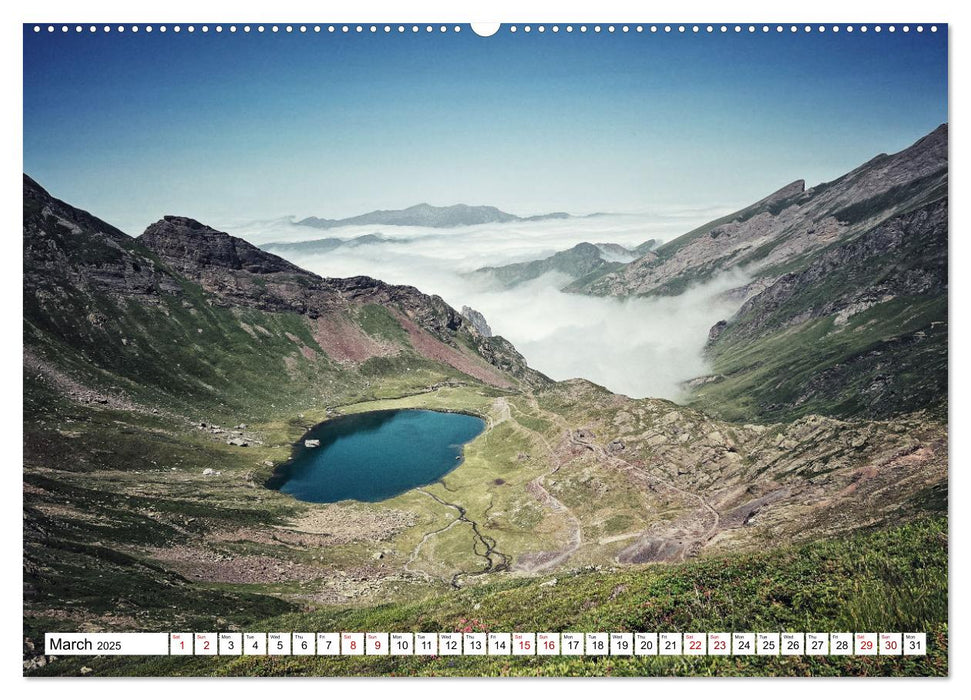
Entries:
{"x":236,"y":126}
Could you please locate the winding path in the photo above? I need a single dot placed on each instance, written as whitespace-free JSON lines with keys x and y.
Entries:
{"x":535,"y":562}
{"x":701,"y":541}
{"x":424,"y":540}
{"x":540,"y":561}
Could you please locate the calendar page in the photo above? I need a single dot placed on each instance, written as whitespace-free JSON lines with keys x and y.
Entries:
{"x":449,"y":349}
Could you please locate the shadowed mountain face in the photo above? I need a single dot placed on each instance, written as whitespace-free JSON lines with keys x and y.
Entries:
{"x":846,"y":313}
{"x":428,"y":216}
{"x":66,"y":248}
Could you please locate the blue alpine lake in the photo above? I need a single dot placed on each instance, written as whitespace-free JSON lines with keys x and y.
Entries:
{"x":374,"y":456}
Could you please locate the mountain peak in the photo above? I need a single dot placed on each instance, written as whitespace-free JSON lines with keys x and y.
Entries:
{"x":934,"y":142}
{"x":31,"y":186}
{"x":941,"y":132}
{"x":187,"y":244}
{"x":189,"y":223}
{"x":783,"y":193}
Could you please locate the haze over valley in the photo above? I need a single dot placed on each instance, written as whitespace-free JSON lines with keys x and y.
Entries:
{"x":638,"y":347}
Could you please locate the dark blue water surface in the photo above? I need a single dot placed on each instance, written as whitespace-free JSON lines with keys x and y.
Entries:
{"x":377,"y":455}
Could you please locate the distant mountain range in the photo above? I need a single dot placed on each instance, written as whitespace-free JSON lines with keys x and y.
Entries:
{"x":593,"y":259}
{"x":429,"y":216}
{"x":324,"y":245}
{"x":582,"y":261}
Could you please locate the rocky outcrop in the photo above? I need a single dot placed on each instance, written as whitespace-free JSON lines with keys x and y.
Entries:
{"x":716,"y":331}
{"x":191,"y":247}
{"x":500,"y":353}
{"x":477,"y":320}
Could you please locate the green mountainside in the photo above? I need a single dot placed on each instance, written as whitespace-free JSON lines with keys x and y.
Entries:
{"x":860,"y":331}
{"x":845,"y":312}
{"x":166,"y":378}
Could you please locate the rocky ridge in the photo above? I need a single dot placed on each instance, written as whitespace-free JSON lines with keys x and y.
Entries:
{"x":240,"y":274}
{"x":861,"y":273}
{"x":84,"y":279}
{"x":65,"y":247}
{"x":789,"y":225}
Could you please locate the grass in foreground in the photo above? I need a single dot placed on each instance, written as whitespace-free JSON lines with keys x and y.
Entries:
{"x":884,"y":580}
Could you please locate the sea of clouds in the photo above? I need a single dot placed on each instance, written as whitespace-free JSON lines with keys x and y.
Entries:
{"x":638,"y":347}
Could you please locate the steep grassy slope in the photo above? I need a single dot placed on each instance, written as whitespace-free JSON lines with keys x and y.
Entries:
{"x":862,"y":330}
{"x":845,"y":313}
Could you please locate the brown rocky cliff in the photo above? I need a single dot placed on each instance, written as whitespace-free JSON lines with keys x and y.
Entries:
{"x":72,"y":259}
{"x":189,"y":246}
{"x":238,"y":273}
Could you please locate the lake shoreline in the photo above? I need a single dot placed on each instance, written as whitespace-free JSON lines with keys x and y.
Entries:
{"x":283,"y":473}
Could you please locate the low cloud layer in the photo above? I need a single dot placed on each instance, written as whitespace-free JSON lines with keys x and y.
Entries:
{"x":638,"y":347}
